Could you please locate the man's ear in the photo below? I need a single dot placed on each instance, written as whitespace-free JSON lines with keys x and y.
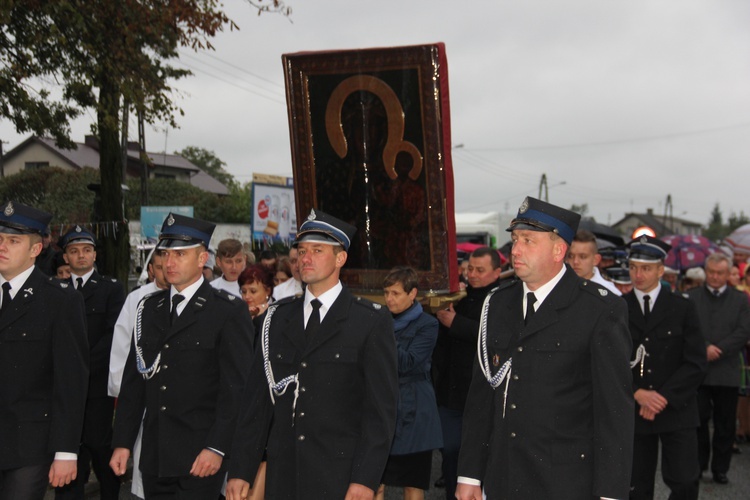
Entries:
{"x":341,"y":258}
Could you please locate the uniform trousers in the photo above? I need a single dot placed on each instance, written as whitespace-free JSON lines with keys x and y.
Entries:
{"x":719,"y":403}
{"x":24,"y":483}
{"x":96,"y":449}
{"x":183,"y":487}
{"x":679,"y":464}
{"x":452,"y":425}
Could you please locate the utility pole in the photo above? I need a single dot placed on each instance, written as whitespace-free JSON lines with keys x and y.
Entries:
{"x":144,"y":159}
{"x":543,"y":184}
{"x":124,"y":140}
{"x":669,"y":214}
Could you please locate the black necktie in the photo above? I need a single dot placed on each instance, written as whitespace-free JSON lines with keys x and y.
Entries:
{"x":175,"y":302}
{"x":79,"y":283}
{"x":313,"y":322}
{"x":646,"y":307}
{"x":530,"y":300}
{"x":716,"y":293}
{"x":6,"y":296}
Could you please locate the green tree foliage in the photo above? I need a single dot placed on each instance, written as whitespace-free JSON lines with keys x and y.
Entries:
{"x":206,"y":206}
{"x":101,"y":53}
{"x":63,"y":193}
{"x":717,"y":230}
{"x":209,"y":163}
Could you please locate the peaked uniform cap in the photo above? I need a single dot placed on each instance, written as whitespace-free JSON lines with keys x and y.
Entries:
{"x":538,"y":215}
{"x":648,"y":249}
{"x":77,"y":235}
{"x":17,"y":218}
{"x":324,"y":228}
{"x":180,"y":231}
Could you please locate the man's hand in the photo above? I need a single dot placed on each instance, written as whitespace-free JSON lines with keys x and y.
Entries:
{"x":713,"y":353}
{"x":119,"y":461}
{"x":359,"y":492}
{"x":62,"y":472}
{"x":647,"y":414}
{"x":206,"y":464}
{"x":651,"y":400}
{"x":445,"y":316}
{"x":237,"y":489}
{"x":468,"y":492}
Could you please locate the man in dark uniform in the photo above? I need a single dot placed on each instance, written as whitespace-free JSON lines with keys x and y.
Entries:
{"x":669,"y":361}
{"x":725,"y":323}
{"x":550,"y":408}
{"x":324,"y":384}
{"x":186,"y":370}
{"x":103,"y":298}
{"x":43,"y":363}
{"x":454,"y":354}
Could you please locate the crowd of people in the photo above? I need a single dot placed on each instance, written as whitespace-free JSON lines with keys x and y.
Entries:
{"x":563,"y":375}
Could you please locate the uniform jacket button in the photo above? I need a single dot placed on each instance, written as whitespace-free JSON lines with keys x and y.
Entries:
{"x":301,"y":437}
{"x":520,"y":348}
{"x":303,"y":364}
{"x":163,"y":408}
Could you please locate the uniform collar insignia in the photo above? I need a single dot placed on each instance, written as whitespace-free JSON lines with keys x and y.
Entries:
{"x":9,"y":210}
{"x":28,"y":291}
{"x":603,"y":292}
{"x":63,"y":285}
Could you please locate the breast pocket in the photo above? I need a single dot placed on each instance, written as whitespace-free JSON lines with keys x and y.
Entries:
{"x":557,"y":359}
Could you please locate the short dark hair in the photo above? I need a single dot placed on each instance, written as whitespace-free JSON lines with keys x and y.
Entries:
{"x":494,"y":256}
{"x":585,"y":236}
{"x":405,"y":275}
{"x":228,"y":248}
{"x":256,"y":272}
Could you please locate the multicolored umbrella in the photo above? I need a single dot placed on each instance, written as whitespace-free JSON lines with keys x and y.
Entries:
{"x":688,"y":251}
{"x":739,"y":239}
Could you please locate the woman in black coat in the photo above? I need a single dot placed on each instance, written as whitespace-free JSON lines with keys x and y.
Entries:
{"x":417,"y":421}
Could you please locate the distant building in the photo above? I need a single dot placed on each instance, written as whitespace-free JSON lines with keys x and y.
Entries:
{"x":663,"y":226}
{"x":39,"y":152}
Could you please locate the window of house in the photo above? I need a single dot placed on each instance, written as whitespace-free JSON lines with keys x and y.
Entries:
{"x":33,"y":165}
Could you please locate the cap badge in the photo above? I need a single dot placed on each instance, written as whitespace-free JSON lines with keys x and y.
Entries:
{"x":524,"y":206}
{"x":78,"y":229}
{"x":170,"y":220}
{"x":312,"y":215}
{"x":644,"y":240}
{"x":9,"y":210}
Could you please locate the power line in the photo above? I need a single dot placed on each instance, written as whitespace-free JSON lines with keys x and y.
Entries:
{"x":619,"y":141}
{"x":213,"y":56}
{"x":222,"y":71}
{"x":232,"y":83}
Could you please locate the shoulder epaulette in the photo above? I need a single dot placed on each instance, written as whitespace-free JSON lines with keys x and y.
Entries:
{"x":596,"y":289}
{"x":229,"y":297}
{"x":368,"y":303}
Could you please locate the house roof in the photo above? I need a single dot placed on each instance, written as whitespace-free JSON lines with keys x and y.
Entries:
{"x":86,"y":155}
{"x":656,"y":222}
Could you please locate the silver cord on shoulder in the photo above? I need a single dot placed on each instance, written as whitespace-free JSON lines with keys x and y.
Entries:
{"x":484,"y":361}
{"x":640,"y":357}
{"x":140,"y":362}
{"x":276,"y":388}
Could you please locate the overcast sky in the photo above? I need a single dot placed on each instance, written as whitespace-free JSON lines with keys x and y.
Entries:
{"x":623,"y":102}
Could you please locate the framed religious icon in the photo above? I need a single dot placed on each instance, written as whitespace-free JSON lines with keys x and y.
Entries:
{"x":370,"y":138}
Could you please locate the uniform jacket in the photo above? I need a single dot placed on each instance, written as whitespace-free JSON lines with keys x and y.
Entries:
{"x":43,"y":372}
{"x":676,"y":361}
{"x":456,"y":350}
{"x":417,"y":422}
{"x":725,"y":323}
{"x":567,"y":432}
{"x":192,"y":402}
{"x":341,"y":429}
{"x":103,"y":298}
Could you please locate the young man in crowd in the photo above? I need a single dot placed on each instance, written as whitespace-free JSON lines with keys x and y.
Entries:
{"x":231,"y":260}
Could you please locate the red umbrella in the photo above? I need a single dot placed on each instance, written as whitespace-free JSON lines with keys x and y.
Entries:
{"x":688,"y":251}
